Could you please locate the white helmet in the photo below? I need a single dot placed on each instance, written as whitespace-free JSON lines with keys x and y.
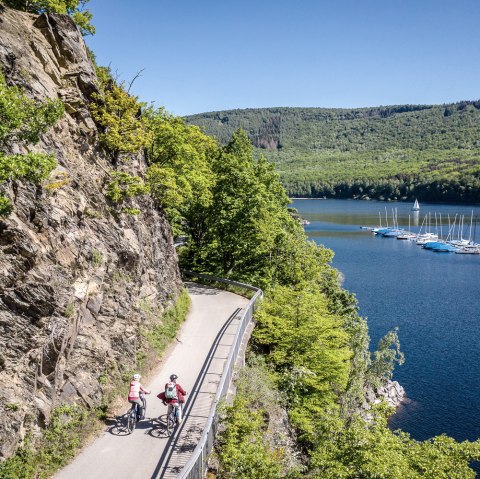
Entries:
{"x":136,"y":377}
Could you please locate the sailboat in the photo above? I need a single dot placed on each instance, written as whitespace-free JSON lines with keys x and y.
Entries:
{"x":416,"y":206}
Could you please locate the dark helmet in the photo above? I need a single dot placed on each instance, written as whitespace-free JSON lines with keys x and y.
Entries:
{"x":173,"y":377}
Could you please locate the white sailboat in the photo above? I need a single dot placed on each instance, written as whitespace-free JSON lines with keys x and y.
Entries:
{"x":416,"y":206}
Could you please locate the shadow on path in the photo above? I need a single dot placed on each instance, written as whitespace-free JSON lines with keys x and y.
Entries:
{"x":171,"y":447}
{"x":201,"y":289}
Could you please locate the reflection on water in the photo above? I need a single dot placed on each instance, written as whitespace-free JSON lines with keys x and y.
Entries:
{"x":433,"y":298}
{"x":416,"y":218}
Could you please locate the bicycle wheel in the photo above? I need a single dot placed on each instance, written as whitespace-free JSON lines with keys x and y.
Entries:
{"x":131,"y":420}
{"x":170,"y":423}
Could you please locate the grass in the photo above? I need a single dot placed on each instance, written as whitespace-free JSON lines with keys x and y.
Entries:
{"x":67,"y":428}
{"x":97,"y":258}
{"x":160,"y":333}
{"x":69,"y":310}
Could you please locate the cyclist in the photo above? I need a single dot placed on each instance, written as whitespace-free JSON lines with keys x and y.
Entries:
{"x":134,"y":394}
{"x":173,"y":394}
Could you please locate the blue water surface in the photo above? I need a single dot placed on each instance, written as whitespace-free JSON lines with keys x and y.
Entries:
{"x":433,"y":298}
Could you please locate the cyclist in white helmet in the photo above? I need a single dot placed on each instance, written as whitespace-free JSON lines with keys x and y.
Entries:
{"x":134,"y":393}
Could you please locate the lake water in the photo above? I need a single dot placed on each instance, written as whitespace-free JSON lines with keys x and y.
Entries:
{"x":433,"y":298}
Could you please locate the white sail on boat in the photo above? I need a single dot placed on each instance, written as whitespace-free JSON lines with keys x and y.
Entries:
{"x":416,"y":206}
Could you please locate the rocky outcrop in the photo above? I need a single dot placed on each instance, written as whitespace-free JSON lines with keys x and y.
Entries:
{"x":76,"y":280}
{"x":393,"y":393}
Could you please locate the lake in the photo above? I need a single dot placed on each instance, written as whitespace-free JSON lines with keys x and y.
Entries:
{"x":433,"y":298}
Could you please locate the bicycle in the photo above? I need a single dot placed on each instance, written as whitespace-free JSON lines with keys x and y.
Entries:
{"x":134,"y":414}
{"x":174,"y":417}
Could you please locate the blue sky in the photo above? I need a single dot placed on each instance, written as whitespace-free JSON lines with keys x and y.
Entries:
{"x":209,"y":55}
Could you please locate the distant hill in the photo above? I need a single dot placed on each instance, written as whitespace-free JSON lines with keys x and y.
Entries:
{"x":391,"y":152}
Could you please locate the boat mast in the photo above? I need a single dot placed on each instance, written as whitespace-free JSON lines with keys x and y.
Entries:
{"x":470,"y":235}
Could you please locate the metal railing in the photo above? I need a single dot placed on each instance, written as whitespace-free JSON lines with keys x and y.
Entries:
{"x":195,"y":468}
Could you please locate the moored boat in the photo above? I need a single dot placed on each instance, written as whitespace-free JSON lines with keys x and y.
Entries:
{"x":468,"y":251}
{"x":407,"y":236}
{"x":444,"y":248}
{"x":426,"y":237}
{"x":433,"y":244}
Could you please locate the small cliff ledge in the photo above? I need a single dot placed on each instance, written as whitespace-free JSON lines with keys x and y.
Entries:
{"x":77,"y":280}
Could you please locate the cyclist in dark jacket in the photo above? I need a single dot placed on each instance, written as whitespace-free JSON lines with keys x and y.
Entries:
{"x":173,"y":394}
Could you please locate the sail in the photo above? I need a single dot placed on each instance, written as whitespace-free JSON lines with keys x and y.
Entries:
{"x":416,"y":206}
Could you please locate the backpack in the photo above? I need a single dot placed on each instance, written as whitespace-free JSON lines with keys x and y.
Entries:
{"x":171,"y":391}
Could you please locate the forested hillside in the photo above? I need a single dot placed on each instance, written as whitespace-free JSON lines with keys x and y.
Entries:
{"x":395,"y":152}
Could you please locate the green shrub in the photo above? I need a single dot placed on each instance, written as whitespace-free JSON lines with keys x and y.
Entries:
{"x":97,"y":258}
{"x":118,"y":113}
{"x":6,"y":206}
{"x":22,"y":120}
{"x":69,"y":310}
{"x":62,"y":437}
{"x":125,"y":186}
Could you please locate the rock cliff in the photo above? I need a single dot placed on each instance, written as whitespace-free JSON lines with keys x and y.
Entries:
{"x":76,"y":280}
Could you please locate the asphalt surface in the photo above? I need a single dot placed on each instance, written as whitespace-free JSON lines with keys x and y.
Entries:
{"x":198,"y":357}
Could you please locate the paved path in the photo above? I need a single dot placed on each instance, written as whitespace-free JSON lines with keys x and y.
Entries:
{"x":197,"y":358}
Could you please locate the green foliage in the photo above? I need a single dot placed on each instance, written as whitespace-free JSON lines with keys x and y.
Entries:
{"x":309,"y":350}
{"x":89,"y":213}
{"x":180,"y":172}
{"x":97,"y":258}
{"x":69,"y":310}
{"x":12,"y":407}
{"x":120,"y":116}
{"x":21,"y":118}
{"x":61,"y":440}
{"x":6,"y":206}
{"x":372,"y":451}
{"x":385,"y":358}
{"x":74,"y":8}
{"x":247,"y":446}
{"x":131,"y":211}
{"x":242,"y":232}
{"x":125,"y":186}
{"x":398,"y":152}
{"x":23,"y":121}
{"x":243,"y":452}
{"x":33,"y":167}
{"x":160,"y":334}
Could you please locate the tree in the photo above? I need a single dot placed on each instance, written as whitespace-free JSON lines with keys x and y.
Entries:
{"x":120,"y":116}
{"x":180,"y":173}
{"x":372,"y":451}
{"x":308,"y":349}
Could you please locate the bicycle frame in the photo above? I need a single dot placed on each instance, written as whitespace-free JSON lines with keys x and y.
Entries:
{"x":134,"y":413}
{"x":173,"y":417}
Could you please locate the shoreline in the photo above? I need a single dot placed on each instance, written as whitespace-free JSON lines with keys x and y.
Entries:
{"x":386,"y":201}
